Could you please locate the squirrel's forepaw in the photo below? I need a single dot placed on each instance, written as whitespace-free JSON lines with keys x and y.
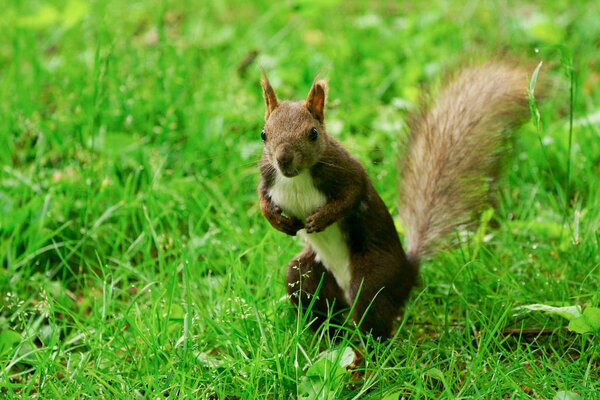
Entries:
{"x":289,"y":225}
{"x":315,"y":223}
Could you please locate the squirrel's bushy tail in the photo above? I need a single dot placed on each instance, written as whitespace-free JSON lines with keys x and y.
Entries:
{"x":454,"y":149}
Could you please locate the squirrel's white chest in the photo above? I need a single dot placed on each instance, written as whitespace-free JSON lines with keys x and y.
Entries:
{"x":299,"y":197}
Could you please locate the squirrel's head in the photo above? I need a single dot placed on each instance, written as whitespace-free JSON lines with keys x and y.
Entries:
{"x":294,"y":135}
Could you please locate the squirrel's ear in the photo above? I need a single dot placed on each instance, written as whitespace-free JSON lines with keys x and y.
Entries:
{"x":315,"y":102}
{"x":271,"y":101}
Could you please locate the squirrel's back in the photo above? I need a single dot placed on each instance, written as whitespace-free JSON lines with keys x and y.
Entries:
{"x":453,"y":152}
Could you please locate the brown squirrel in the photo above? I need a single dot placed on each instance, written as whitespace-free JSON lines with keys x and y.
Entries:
{"x":311,"y":186}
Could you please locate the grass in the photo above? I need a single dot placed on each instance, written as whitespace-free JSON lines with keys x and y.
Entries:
{"x":134,"y":261}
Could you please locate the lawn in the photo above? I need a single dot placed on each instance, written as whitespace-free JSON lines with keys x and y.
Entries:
{"x":135,"y":262}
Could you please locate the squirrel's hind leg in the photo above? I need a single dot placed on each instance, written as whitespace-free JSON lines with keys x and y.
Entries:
{"x":380,"y":297}
{"x":304,"y":275}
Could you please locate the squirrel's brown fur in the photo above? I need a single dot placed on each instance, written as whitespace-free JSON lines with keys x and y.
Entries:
{"x":311,"y":186}
{"x":451,"y":161}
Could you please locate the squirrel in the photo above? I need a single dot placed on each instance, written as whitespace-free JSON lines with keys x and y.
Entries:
{"x":312,"y":187}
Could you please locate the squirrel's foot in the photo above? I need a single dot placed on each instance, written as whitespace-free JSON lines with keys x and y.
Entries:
{"x":316,"y":222}
{"x":289,"y":225}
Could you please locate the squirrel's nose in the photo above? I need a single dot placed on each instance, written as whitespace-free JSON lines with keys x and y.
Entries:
{"x":285,"y":159}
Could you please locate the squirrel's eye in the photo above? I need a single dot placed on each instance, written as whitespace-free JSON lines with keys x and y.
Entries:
{"x":263,"y":136}
{"x":313,"y":134}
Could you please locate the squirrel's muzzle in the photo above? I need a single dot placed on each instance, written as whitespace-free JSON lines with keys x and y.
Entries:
{"x":287,"y":161}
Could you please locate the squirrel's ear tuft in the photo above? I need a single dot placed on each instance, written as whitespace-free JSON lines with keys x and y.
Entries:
{"x":315,"y":102}
{"x":271,"y":101}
